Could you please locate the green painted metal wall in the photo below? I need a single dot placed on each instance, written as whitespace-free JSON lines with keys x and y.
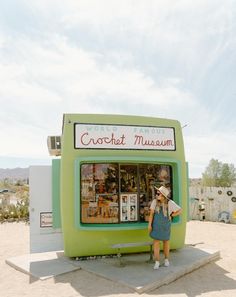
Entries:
{"x":81,"y":239}
{"x":56,"y":203}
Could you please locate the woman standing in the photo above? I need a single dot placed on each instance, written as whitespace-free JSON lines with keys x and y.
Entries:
{"x":162,"y":210}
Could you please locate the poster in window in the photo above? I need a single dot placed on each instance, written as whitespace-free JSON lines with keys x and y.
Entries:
{"x":124,"y":208}
{"x":103,"y":210}
{"x":133,"y":207}
{"x":128,"y":207}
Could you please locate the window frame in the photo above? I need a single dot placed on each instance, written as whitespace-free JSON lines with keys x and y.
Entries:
{"x":176,"y":189}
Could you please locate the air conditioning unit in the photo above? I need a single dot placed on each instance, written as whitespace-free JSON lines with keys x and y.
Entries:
{"x":54,"y":145}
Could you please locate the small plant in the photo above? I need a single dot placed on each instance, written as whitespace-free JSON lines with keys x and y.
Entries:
{"x":20,"y":210}
{"x":11,"y":213}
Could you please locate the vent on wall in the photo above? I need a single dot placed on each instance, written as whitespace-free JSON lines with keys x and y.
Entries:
{"x":54,"y":145}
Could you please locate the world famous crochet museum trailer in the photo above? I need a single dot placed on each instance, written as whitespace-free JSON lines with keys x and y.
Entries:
{"x":103,"y":183}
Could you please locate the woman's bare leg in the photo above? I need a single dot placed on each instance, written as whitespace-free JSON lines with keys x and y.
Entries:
{"x":156,"y":248}
{"x":166,"y":248}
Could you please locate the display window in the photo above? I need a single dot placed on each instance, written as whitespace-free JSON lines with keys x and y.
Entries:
{"x":120,"y":193}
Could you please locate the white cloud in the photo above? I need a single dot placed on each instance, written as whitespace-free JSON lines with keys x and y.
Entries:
{"x":22,"y":141}
{"x":152,"y":58}
{"x":79,"y":75}
{"x":200,"y":150}
{"x":58,"y":77}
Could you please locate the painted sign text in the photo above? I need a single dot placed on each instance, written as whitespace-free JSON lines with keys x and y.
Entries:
{"x":88,"y":136}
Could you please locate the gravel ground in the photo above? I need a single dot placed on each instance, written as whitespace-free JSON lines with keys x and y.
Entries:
{"x":214,"y":279}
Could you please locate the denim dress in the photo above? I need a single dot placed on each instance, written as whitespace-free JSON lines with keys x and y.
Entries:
{"x":160,"y":226}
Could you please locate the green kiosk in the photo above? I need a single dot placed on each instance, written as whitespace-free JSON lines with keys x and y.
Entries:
{"x":108,"y":169}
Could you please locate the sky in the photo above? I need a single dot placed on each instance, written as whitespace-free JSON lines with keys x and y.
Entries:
{"x":170,"y":59}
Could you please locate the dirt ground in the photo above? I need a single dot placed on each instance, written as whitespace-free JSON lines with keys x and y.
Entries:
{"x":214,"y":279}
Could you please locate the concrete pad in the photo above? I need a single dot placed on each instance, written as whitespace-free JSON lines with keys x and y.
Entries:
{"x":43,"y":265}
{"x":138,"y":273}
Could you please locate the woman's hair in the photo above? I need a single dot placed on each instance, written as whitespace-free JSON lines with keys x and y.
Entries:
{"x":164,"y":206}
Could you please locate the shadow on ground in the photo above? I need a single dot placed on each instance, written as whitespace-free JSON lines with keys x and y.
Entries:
{"x":208,"y":278}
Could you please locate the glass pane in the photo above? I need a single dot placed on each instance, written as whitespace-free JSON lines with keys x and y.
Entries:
{"x":150,"y":176}
{"x":99,"y":197}
{"x":87,"y":184}
{"x":128,"y":178}
{"x":101,"y":201}
{"x":106,"y":178}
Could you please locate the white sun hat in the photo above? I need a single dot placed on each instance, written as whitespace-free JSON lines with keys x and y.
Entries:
{"x":164,"y":191}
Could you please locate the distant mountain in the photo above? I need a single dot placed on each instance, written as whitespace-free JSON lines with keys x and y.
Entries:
{"x":14,"y":173}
